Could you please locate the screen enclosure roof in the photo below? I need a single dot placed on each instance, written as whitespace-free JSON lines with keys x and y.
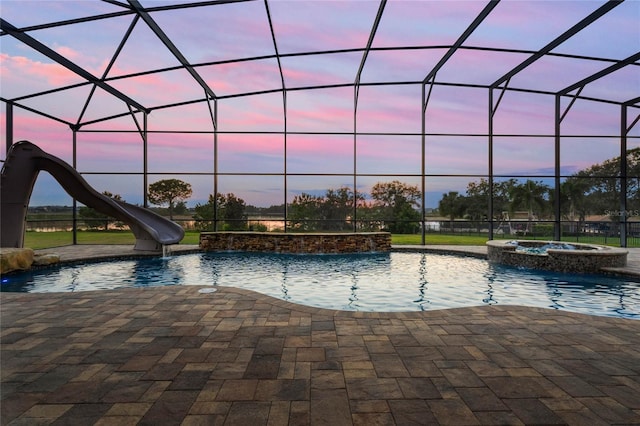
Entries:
{"x":86,"y":62}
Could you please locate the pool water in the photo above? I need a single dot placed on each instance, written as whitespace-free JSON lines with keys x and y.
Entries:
{"x":396,"y":281}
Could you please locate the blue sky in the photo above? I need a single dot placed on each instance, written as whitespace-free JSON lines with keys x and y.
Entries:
{"x":232,"y":49}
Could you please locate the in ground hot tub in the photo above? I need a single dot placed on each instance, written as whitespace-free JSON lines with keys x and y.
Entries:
{"x":555,"y":255}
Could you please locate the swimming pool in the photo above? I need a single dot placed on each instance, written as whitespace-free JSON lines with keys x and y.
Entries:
{"x":396,"y":281}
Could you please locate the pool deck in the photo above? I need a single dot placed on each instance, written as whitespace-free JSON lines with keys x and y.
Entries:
{"x":174,"y":355}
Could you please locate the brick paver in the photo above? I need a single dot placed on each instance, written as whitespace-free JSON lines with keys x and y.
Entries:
{"x":173,"y":355}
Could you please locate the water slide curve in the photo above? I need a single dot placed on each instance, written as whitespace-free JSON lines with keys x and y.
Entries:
{"x":19,"y":172}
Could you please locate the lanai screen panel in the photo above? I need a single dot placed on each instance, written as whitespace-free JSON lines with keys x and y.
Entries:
{"x":270,"y":99}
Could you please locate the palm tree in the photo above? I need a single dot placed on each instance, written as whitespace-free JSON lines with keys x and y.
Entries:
{"x":531,"y":196}
{"x":572,"y":192}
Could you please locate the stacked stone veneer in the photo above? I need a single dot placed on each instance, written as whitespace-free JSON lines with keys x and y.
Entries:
{"x":296,"y":243}
{"x":591,"y":258}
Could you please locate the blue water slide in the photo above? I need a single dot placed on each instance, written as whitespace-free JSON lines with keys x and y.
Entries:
{"x":19,"y":172}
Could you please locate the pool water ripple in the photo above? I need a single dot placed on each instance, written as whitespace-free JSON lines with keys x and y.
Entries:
{"x":396,"y":281}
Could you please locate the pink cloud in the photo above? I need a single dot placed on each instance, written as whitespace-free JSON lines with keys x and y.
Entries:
{"x":251,"y":153}
{"x":523,"y":113}
{"x":219,"y":32}
{"x":517,"y":24}
{"x":68,"y":52}
{"x":555,"y":73}
{"x":51,"y":136}
{"x":328,"y":145}
{"x":400,"y":65}
{"x":320,"y":118}
{"x":261,"y":113}
{"x":294,"y":33}
{"x":295,"y":77}
{"x":464,"y":66}
{"x":456,"y":155}
{"x":193,"y":117}
{"x":321,"y":70}
{"x":242,"y":77}
{"x":160,"y":89}
{"x":22,"y":75}
{"x":247,"y":143}
{"x":389,"y":109}
{"x":591,"y":118}
{"x":407,"y":23}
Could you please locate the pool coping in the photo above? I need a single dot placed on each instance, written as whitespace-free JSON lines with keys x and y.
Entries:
{"x":83,"y":253}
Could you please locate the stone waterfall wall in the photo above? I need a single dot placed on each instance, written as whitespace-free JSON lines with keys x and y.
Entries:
{"x":296,"y":243}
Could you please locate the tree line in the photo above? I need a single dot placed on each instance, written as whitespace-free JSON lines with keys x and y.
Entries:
{"x":595,"y":190}
{"x":395,"y":206}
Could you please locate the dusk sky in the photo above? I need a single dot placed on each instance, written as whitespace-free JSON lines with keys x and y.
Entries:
{"x":232,"y":50}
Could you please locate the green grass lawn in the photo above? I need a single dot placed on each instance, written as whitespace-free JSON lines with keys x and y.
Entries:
{"x":439,"y":239}
{"x":40,"y":240}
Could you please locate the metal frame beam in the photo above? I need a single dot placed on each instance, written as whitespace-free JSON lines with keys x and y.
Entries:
{"x":593,"y":77}
{"x":624,"y":172}
{"x":356,"y":93}
{"x":632,"y":102}
{"x":8,"y":126}
{"x":284,"y":107}
{"x":142,"y":12}
{"x":558,"y":117}
{"x":56,"y":57}
{"x":367,"y":49}
{"x":624,"y":130}
{"x":602,"y":10}
{"x":430,"y":79}
{"x":107,"y":69}
{"x":463,"y":37}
